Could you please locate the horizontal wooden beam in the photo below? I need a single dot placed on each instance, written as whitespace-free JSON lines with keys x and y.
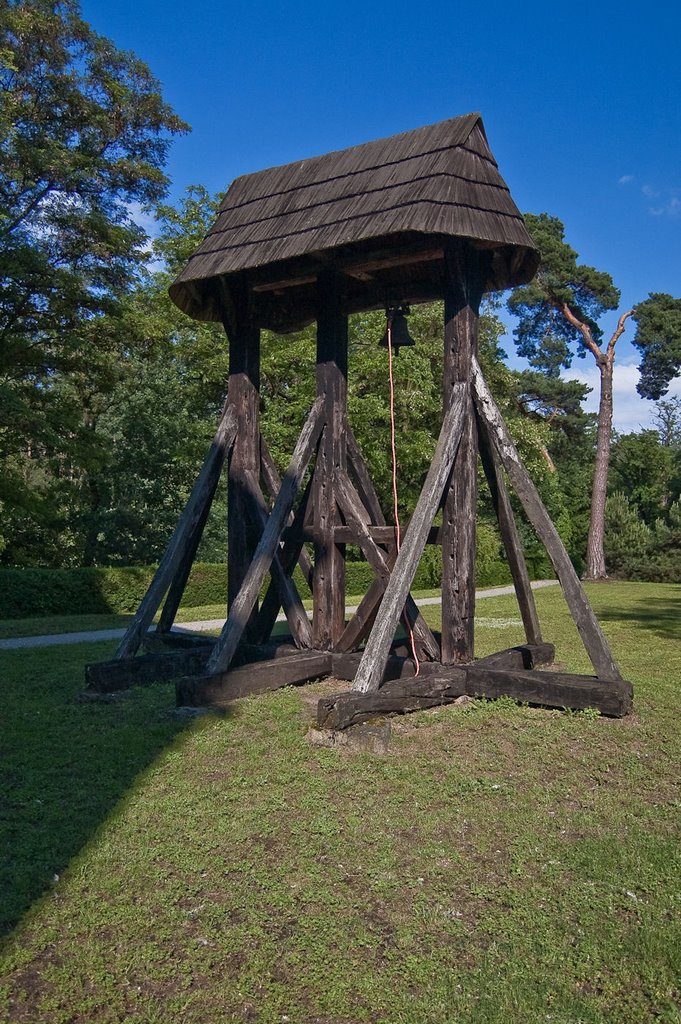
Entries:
{"x":123,"y":673}
{"x":524,"y":656}
{"x":383,"y":535}
{"x":444,"y":684}
{"x":353,"y":266}
{"x":221,"y":688}
{"x":612,"y":697}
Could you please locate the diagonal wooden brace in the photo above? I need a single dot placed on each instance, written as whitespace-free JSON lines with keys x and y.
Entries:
{"x":591,"y":633}
{"x":365,"y":484}
{"x":244,"y":602}
{"x":296,"y":616}
{"x":185,"y":531}
{"x":290,"y":555}
{"x":372,"y":665}
{"x":273,"y":483}
{"x":357,"y":518}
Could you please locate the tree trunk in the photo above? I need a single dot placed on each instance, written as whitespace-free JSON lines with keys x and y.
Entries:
{"x":595,"y":554}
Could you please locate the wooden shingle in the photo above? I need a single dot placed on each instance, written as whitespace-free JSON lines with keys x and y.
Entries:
{"x":381,"y":212}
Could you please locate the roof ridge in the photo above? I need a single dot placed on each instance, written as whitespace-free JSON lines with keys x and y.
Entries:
{"x":474,"y":118}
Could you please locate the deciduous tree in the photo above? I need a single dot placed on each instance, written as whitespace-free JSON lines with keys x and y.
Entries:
{"x":84,"y":134}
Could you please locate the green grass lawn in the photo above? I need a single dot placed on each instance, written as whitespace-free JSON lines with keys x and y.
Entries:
{"x":500,"y":864}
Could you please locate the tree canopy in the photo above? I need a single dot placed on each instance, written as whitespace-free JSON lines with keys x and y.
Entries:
{"x":85,"y":134}
{"x":658,"y":338}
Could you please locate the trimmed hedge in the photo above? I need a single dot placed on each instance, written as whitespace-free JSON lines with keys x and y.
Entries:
{"x":27,"y":593}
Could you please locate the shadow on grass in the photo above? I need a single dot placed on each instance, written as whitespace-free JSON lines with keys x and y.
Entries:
{"x":65,"y":764}
{"x":659,"y":615}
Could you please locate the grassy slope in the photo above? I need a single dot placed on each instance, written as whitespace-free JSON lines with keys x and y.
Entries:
{"x":499,"y":864}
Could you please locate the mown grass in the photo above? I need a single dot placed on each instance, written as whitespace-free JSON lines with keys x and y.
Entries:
{"x":500,"y":864}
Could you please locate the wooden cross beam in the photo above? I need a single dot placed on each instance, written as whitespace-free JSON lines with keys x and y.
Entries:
{"x":244,"y":602}
{"x":372,"y":665}
{"x":357,"y":517}
{"x":296,"y":616}
{"x":290,"y":553}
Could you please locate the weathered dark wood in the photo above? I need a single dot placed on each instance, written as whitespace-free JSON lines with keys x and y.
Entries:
{"x":592,"y":636}
{"x":328,"y":590}
{"x":375,"y":655}
{"x":524,"y":656}
{"x":612,"y":697}
{"x":365,"y":484}
{"x":244,"y":395}
{"x":296,"y":616}
{"x":220,"y":688}
{"x":159,"y":642}
{"x":379,"y":212}
{"x":463,"y":292}
{"x":245,"y":601}
{"x":383,"y":535}
{"x":510,"y":536}
{"x":289,"y":555}
{"x":396,"y":667}
{"x":270,"y":475}
{"x":144,"y":669}
{"x":443,"y":684}
{"x":339,"y":711}
{"x":356,"y":516}
{"x":201,"y":496}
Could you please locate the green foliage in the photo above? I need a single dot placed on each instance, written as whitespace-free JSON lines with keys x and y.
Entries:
{"x":491,"y":569}
{"x":658,"y":338}
{"x":28,"y":592}
{"x":642,"y":468}
{"x":667,"y":420}
{"x":544,"y":335}
{"x":85,"y":135}
{"x":627,"y":538}
{"x":34,"y":592}
{"x":664,"y":561}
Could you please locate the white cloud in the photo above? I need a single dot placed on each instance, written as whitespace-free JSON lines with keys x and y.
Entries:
{"x":630,"y":411}
{"x":649,"y":192}
{"x":625,"y":179}
{"x":672,"y":208}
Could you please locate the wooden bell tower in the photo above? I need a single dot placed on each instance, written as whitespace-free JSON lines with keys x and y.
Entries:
{"x":423,"y":216}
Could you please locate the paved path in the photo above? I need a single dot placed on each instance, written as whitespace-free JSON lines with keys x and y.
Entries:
{"x":205,"y":625}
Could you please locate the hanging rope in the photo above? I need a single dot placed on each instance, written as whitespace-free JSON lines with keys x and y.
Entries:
{"x":393,"y":448}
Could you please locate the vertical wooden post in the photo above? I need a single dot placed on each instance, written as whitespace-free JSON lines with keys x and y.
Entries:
{"x":463,"y":292}
{"x":328,"y":592}
{"x":244,"y":397}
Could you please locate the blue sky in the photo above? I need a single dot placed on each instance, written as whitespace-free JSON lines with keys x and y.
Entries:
{"x":581,"y":102}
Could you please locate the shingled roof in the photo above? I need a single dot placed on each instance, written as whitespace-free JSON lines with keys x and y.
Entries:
{"x":381,"y":212}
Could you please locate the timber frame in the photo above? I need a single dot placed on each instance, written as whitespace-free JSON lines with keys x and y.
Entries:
{"x":326,"y":498}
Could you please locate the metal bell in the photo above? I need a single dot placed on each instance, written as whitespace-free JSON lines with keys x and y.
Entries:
{"x":400,"y":337}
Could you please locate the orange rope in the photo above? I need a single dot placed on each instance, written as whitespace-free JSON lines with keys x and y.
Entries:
{"x":393,"y":448}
